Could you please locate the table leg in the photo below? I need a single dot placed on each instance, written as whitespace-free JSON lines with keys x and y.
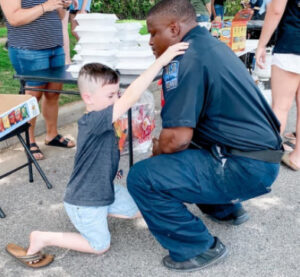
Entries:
{"x":28,"y":158}
{"x":22,"y":87}
{"x":2,"y":214}
{"x":49,"y":186}
{"x":130,"y":143}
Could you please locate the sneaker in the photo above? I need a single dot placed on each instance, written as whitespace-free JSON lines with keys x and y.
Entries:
{"x":211,"y":256}
{"x":236,"y":218}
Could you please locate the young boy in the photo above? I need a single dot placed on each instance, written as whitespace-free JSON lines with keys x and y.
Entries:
{"x":91,"y":195}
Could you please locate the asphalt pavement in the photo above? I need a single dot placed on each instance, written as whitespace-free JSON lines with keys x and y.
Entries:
{"x":267,"y":245}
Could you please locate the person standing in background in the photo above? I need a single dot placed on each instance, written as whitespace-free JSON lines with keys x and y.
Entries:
{"x":217,"y":8}
{"x":285,"y":81}
{"x":203,"y":10}
{"x":35,"y":42}
{"x":65,"y":22}
{"x":83,"y":6}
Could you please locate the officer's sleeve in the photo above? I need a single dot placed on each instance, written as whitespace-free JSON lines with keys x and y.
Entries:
{"x":184,"y":86}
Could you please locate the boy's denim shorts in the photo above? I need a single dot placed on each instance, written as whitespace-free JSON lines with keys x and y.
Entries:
{"x":26,"y":60}
{"x":91,"y":222}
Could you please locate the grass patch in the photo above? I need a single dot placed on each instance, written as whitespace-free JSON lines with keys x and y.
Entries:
{"x":3,"y":32}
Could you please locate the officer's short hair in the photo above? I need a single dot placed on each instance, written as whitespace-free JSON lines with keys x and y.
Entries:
{"x":96,"y":73}
{"x":177,"y":8}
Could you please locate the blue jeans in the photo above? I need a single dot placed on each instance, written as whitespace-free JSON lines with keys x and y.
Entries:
{"x":219,"y":10}
{"x":80,"y":2}
{"x":26,"y":60}
{"x":162,"y":184}
{"x":202,"y":18}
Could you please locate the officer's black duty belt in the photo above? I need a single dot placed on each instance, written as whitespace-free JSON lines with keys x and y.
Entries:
{"x":268,"y":155}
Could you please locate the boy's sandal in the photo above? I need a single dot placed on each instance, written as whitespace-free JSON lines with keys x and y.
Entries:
{"x":291,"y":135}
{"x":289,"y":144}
{"x":36,"y":151}
{"x":36,"y":260}
{"x":59,"y":141}
{"x":286,"y":160}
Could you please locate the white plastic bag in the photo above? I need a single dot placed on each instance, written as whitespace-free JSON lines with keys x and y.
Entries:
{"x":143,"y":124}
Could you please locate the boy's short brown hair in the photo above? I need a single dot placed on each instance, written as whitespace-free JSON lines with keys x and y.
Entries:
{"x":97,"y":73}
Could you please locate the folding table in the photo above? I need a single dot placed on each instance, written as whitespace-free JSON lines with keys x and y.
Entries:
{"x":30,"y":158}
{"x":61,"y":75}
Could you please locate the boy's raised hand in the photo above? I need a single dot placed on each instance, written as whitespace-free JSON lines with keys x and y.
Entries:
{"x":172,"y":52}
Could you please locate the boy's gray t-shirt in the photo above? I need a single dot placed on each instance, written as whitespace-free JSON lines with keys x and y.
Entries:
{"x":96,"y":161}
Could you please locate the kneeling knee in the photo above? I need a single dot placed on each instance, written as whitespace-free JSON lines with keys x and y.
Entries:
{"x":100,"y":252}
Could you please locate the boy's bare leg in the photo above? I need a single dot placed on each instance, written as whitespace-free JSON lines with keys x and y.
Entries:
{"x":73,"y":241}
{"x":137,"y":215}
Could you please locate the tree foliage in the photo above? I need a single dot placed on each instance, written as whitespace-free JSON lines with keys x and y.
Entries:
{"x":232,"y":7}
{"x":129,"y":9}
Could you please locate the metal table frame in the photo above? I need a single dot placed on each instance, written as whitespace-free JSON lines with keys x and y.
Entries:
{"x":60,"y":75}
{"x":30,"y":158}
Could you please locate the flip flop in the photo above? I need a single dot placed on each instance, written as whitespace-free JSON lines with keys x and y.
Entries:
{"x":36,"y":151}
{"x":290,"y":144}
{"x":291,"y":135}
{"x":19,"y":253}
{"x":58,"y":143}
{"x":286,"y":160}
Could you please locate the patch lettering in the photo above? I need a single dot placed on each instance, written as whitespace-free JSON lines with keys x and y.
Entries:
{"x":171,"y":75}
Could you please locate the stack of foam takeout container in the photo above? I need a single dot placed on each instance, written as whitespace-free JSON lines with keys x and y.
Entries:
{"x":98,"y":40}
{"x":134,"y":54}
{"x":118,"y":45}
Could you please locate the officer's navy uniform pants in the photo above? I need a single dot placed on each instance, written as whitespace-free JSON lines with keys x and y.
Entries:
{"x":162,"y":184}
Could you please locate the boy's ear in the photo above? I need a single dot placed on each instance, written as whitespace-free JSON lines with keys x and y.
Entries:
{"x":86,"y":97}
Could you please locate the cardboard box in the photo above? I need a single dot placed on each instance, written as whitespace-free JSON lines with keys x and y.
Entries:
{"x":15,"y":110}
{"x":234,"y":34}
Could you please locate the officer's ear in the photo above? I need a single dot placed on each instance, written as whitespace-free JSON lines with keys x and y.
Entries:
{"x":174,"y":29}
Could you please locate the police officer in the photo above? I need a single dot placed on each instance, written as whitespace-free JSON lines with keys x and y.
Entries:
{"x":219,"y":143}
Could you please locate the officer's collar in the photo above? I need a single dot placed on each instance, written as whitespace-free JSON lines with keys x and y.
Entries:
{"x":194,"y":30}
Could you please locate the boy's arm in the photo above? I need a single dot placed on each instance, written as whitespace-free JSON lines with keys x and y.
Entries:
{"x":135,"y":90}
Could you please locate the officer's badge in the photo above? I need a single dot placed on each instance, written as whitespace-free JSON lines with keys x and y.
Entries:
{"x":171,"y":75}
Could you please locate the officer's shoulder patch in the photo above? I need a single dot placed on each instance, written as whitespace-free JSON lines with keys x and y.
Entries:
{"x":171,"y":75}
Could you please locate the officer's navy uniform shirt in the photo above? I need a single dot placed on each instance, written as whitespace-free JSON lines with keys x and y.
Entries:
{"x":210,"y":90}
{"x":288,"y":36}
{"x":96,"y":161}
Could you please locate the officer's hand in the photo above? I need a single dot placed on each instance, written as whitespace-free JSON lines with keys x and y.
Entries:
{"x":155,"y":149}
{"x":172,"y":52}
{"x":260,"y":56}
